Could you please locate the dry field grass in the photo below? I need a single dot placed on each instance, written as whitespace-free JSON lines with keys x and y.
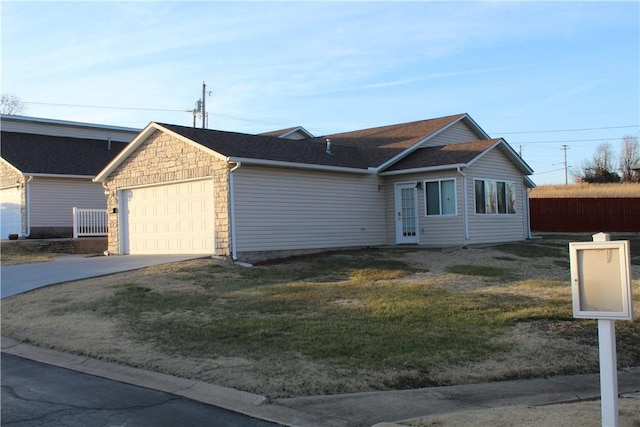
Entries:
{"x":586,"y":190}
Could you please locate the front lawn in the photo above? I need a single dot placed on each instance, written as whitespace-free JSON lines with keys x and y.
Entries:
{"x":342,"y":322}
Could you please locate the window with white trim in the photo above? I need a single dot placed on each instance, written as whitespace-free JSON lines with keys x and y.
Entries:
{"x":440,"y":197}
{"x":495,"y":197}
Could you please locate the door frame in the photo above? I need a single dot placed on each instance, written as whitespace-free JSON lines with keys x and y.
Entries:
{"x":399,"y":218}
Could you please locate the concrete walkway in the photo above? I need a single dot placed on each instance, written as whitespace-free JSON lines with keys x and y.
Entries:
{"x":17,"y":279}
{"x":347,"y":410}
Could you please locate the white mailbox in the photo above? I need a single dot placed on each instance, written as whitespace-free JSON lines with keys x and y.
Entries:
{"x":600,"y":280}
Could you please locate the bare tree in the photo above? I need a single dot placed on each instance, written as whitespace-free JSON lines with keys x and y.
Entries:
{"x":11,"y":104}
{"x":630,"y":157}
{"x":601,"y":167}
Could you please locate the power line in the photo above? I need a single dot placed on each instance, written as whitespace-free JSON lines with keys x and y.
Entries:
{"x":565,"y":130}
{"x":568,"y":140}
{"x":146,"y":109}
{"x":106,"y":107}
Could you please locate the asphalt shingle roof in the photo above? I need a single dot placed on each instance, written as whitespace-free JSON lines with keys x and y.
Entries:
{"x":31,"y":153}
{"x":238,"y":145}
{"x":453,"y":154}
{"x":358,"y":149}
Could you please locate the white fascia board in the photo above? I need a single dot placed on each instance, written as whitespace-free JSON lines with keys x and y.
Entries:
{"x":529,"y":183}
{"x":297,"y":129}
{"x":293,"y":165}
{"x":53,"y":175}
{"x":424,"y":170}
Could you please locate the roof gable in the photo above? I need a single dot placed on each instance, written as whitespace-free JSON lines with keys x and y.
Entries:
{"x":297,"y":132}
{"x":45,"y":154}
{"x":454,"y":155}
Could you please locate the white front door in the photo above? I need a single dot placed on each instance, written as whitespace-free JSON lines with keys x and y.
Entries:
{"x":406,"y":215}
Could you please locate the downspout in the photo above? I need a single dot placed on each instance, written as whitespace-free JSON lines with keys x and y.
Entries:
{"x":465,"y":213}
{"x":27,"y":202}
{"x":527,"y":210}
{"x":232,"y":209}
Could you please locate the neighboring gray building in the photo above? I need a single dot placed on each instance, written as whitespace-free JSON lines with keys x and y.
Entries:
{"x":47,"y":168}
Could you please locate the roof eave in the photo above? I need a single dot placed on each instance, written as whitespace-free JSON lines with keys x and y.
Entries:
{"x":296,"y":165}
{"x":423,"y":170}
{"x":57,"y":175}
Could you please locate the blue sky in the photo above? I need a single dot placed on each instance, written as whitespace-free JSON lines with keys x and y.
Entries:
{"x":531,"y":72}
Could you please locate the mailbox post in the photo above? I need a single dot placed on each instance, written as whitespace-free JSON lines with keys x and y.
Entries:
{"x":601,"y":289}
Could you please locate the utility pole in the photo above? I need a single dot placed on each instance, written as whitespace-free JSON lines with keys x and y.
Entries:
{"x":204,"y":91}
{"x":204,"y":112}
{"x":565,"y":148}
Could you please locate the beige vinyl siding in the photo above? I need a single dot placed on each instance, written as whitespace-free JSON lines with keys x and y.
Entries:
{"x":287,"y":209}
{"x":433,"y":230}
{"x":491,"y":228}
{"x":456,"y":134}
{"x":52,"y":200}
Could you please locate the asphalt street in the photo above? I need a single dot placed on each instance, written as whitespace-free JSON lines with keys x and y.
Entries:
{"x":37,"y":394}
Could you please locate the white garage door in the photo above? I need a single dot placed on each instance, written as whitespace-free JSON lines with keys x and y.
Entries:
{"x":169,"y":219}
{"x":10,"y":216}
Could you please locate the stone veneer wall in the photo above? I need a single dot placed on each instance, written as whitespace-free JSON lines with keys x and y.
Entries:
{"x":8,"y":178}
{"x":163,"y":158}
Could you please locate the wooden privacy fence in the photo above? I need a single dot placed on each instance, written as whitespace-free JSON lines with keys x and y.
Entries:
{"x":89,"y":222}
{"x":585,"y":214}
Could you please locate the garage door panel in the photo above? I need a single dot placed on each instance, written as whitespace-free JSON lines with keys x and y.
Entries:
{"x":173,"y":218}
{"x":10,"y":212}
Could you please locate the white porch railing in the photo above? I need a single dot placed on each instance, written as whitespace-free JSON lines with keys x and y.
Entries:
{"x":89,"y":222}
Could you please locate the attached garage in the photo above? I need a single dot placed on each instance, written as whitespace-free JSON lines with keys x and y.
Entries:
{"x":10,"y":211}
{"x":169,"y":219}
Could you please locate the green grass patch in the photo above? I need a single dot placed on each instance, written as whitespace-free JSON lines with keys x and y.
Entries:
{"x":478,"y":270}
{"x":361,"y":319}
{"x":534,"y":250}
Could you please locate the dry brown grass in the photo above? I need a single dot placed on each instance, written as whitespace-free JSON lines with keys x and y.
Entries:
{"x":586,"y":191}
{"x":69,"y":317}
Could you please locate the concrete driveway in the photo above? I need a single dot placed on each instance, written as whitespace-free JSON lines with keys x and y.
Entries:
{"x":17,"y":279}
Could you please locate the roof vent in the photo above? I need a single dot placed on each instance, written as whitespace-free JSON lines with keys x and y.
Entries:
{"x":328,"y":151}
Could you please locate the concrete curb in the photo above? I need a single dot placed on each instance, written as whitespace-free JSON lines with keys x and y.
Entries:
{"x":342,"y":410}
{"x":227,"y":398}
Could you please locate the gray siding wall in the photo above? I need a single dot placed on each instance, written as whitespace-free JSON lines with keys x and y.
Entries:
{"x":482,"y":228}
{"x":491,"y":228}
{"x":54,"y":129}
{"x":456,"y":134}
{"x":433,"y":230}
{"x":52,"y":200}
{"x":288,"y":209}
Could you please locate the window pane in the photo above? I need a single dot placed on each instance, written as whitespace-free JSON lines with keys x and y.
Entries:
{"x":480,"y":208}
{"x":433,"y":198}
{"x":502,"y":197}
{"x":511,"y":198}
{"x":490,"y":196}
{"x":448,"y":195}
